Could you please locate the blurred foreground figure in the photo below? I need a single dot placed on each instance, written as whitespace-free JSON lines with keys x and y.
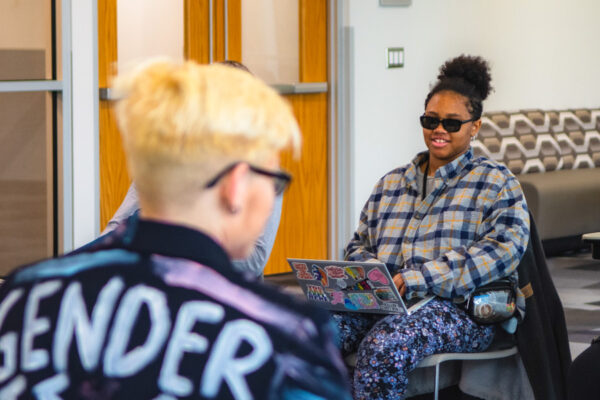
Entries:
{"x":155,"y":310}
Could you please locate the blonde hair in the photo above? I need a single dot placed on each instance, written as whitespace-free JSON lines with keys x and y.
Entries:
{"x":182,"y":123}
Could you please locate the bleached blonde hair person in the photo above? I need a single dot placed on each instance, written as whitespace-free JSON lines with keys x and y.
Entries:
{"x":182,"y":123}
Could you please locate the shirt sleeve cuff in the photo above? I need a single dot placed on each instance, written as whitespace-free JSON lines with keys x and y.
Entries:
{"x":414,"y":280}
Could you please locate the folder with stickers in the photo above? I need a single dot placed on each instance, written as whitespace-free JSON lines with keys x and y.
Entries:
{"x":351,"y":286}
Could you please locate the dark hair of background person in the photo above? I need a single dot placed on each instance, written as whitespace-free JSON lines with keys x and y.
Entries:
{"x":234,"y":64}
{"x":468,"y":76}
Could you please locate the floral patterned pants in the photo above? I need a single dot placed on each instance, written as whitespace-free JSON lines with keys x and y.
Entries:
{"x":391,"y":346}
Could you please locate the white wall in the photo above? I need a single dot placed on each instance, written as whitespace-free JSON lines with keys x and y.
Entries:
{"x":543,"y":54}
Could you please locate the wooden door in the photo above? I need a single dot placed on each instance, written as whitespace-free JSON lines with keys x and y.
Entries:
{"x":197,"y":34}
{"x":114,"y":179}
{"x":303,"y":231}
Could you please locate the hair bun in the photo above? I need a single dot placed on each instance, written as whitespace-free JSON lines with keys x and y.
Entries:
{"x":473,"y":69}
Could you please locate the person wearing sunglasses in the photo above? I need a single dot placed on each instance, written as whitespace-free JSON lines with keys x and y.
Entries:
{"x":156,"y":310}
{"x":444,"y":224}
{"x":254,"y":264}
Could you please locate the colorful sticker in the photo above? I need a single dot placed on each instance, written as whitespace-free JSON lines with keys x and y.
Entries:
{"x":302,"y":271}
{"x":350,"y":305}
{"x":337,"y":297}
{"x":376,"y":275}
{"x":335,"y":272}
{"x":316,"y":293}
{"x":362,"y":285}
{"x":341,"y":284}
{"x":364,"y":300}
{"x":319,"y":275}
{"x":385,"y":294}
{"x":356,"y":273}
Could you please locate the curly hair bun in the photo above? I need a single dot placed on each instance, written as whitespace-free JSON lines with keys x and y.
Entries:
{"x":473,"y":69}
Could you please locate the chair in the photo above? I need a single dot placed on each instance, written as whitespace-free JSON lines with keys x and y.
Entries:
{"x":437,"y":359}
{"x":498,"y":350}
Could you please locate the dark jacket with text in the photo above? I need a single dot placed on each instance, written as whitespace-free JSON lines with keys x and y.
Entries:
{"x":156,"y":311}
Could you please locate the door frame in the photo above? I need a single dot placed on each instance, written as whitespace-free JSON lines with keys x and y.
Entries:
{"x":83,"y":184}
{"x":341,"y":134}
{"x":78,"y":196}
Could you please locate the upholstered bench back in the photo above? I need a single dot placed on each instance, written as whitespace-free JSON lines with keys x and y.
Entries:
{"x":540,"y":141}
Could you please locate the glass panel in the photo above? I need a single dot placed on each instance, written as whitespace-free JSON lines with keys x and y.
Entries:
{"x":26,"y":39}
{"x":149,"y":28}
{"x":270,"y":45}
{"x":26,"y":178}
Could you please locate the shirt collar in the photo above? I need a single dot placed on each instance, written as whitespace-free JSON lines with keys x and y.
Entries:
{"x":151,"y":237}
{"x":447,"y":172}
{"x":453,"y":168}
{"x":411,"y":171}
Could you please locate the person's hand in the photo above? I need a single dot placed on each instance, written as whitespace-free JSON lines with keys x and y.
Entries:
{"x":400,"y":284}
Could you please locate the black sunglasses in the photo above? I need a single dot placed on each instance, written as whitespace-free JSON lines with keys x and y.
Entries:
{"x":450,"y":124}
{"x":281,"y":179}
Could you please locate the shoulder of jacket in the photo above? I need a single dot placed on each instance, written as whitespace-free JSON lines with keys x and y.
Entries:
{"x":490,"y":167}
{"x":395,"y":174}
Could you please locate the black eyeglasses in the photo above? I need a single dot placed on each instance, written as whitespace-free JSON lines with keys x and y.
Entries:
{"x":281,"y":179}
{"x":450,"y":124}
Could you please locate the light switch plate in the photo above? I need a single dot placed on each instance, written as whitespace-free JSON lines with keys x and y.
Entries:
{"x":394,"y":3}
{"x":394,"y":57}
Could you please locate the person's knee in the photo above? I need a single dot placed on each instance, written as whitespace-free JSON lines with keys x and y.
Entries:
{"x":383,"y":346}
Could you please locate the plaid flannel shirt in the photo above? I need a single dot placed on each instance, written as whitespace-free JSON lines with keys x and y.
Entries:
{"x":472,"y":229}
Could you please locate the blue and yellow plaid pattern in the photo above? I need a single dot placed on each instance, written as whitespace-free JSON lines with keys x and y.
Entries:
{"x":472,"y":229}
